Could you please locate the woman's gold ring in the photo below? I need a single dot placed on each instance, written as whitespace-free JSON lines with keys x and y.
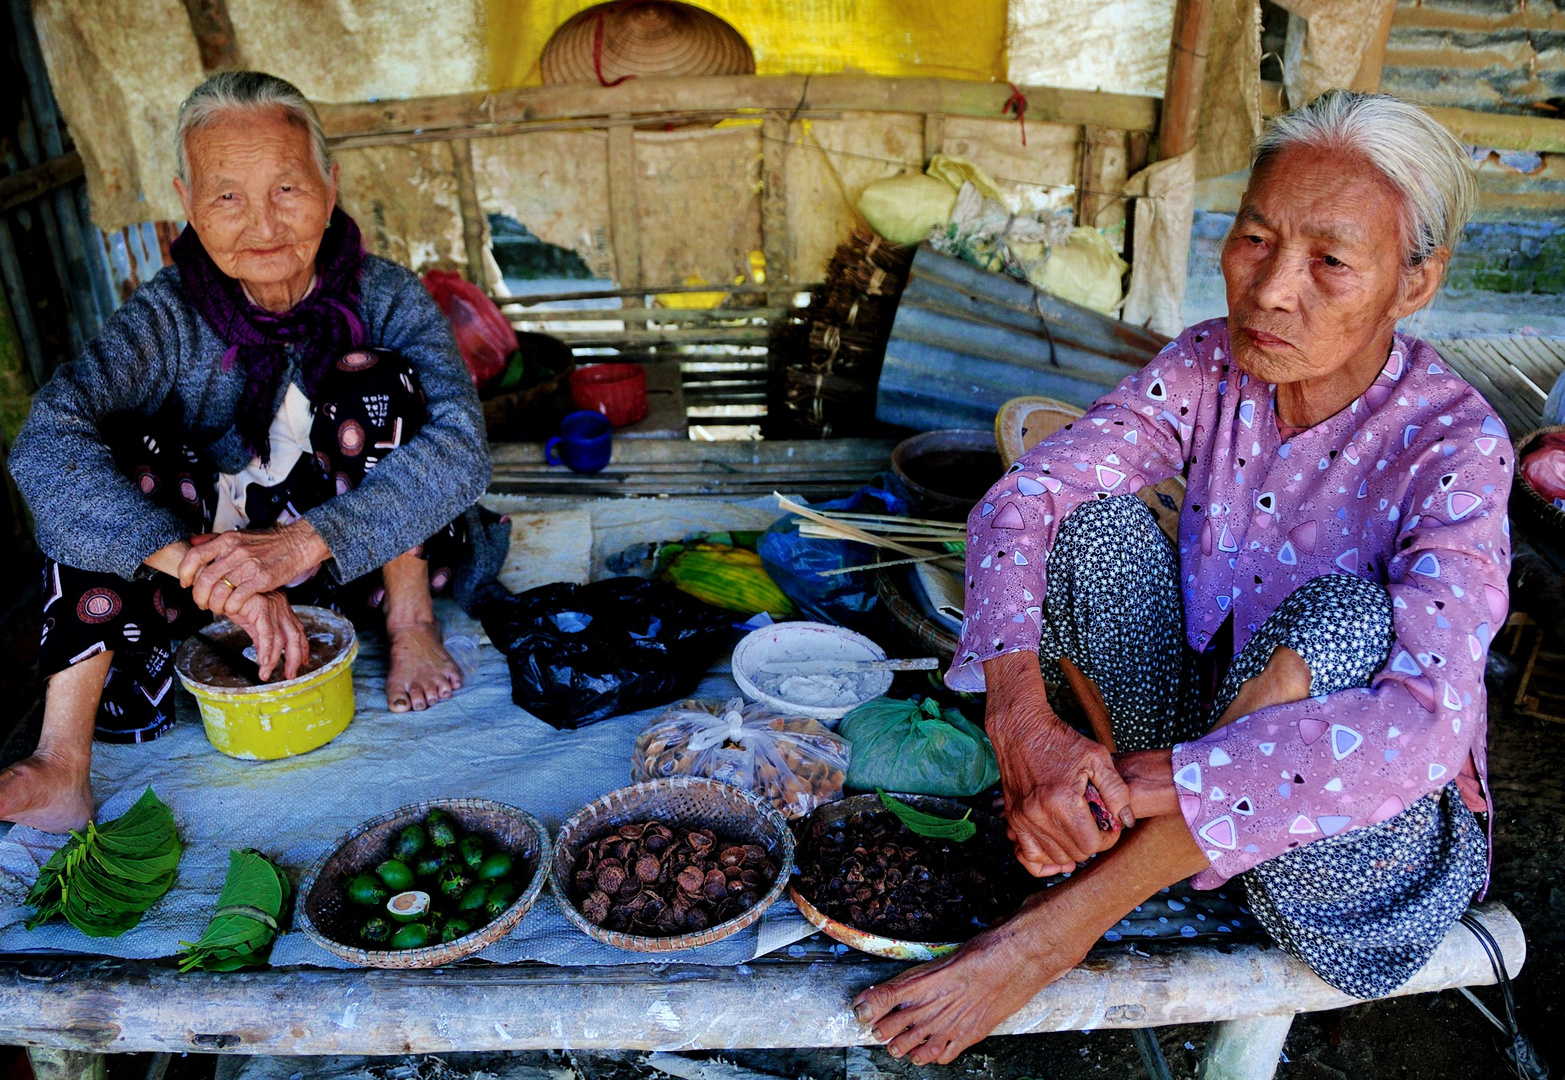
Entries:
{"x":230,"y":584}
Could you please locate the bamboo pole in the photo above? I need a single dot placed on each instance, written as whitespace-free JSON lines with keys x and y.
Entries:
{"x":1186,"y":73}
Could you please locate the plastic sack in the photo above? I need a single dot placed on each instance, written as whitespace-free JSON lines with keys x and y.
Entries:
{"x":957,"y":171}
{"x":583,"y":653}
{"x":1085,"y":270}
{"x":483,"y":335}
{"x":794,"y":561}
{"x":915,"y":747}
{"x":792,"y":762}
{"x":904,"y":208}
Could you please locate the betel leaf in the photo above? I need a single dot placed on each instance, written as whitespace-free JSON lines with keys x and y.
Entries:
{"x":957,"y":830}
{"x":254,"y":897}
{"x":105,"y":878}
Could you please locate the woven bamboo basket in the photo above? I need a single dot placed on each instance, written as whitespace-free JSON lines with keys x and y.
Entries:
{"x":332,"y":923}
{"x":683,"y":802}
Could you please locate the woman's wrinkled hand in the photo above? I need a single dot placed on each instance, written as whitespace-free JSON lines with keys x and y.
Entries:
{"x":1045,"y":766}
{"x":225,"y":572}
{"x":275,"y":631}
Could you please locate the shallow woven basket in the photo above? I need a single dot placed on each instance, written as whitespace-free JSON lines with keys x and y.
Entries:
{"x":684,"y":802}
{"x":332,"y":922}
{"x":1531,"y":509}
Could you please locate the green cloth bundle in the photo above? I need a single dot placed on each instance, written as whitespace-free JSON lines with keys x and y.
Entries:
{"x":254,"y":895}
{"x":105,"y":879}
{"x":915,"y":747}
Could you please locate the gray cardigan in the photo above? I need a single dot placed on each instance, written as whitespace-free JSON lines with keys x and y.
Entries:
{"x":155,"y":346}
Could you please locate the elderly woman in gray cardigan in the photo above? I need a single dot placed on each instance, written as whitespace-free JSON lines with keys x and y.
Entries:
{"x":277,"y":418}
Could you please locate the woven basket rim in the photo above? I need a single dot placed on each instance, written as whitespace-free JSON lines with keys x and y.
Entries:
{"x":446,"y":952}
{"x":565,"y":859}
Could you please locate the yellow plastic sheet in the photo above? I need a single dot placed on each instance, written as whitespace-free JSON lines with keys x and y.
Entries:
{"x":794,"y":37}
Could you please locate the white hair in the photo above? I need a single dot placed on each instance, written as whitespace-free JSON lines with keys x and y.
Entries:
{"x":1429,"y":168}
{"x":248,"y":91}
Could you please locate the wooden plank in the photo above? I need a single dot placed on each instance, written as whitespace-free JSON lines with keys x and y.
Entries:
{"x":472,"y":213}
{"x":934,"y":135}
{"x":642,"y":316}
{"x":598,"y":339}
{"x":1538,"y":374}
{"x":746,"y":289}
{"x":133,"y":1007}
{"x":624,"y":219}
{"x":28,"y":184}
{"x":482,"y":114}
{"x":1096,"y":181}
{"x":774,"y":198}
{"x":1547,"y":354}
{"x":1186,"y":73}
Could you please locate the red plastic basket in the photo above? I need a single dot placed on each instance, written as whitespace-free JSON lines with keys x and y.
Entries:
{"x":618,"y":391}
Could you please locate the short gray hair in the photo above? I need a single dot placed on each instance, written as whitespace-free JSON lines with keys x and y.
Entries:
{"x":1429,"y":168}
{"x":248,"y":91}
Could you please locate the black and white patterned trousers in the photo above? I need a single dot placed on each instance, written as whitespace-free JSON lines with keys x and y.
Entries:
{"x":1364,"y":909}
{"x":370,"y":403}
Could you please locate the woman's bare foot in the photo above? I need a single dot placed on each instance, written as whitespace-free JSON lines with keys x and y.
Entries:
{"x":931,"y":1013}
{"x":422,"y":672}
{"x":46,"y":793}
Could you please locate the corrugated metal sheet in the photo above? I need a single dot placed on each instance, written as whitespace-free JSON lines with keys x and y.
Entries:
{"x":967,"y":340}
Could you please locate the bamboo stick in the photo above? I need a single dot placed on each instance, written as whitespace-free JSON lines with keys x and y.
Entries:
{"x":849,"y":532}
{"x":891,"y":562}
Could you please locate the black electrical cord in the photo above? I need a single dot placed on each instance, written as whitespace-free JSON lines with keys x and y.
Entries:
{"x":1519,"y":1051}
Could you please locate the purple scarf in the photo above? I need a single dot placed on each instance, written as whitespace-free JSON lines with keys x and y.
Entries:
{"x":321,"y":327}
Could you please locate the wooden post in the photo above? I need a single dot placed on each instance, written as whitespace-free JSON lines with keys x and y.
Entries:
{"x":1245,"y":1049}
{"x":624,"y":221}
{"x":472,"y":212}
{"x":1368,"y":77}
{"x":934,"y":135}
{"x":214,"y":31}
{"x":1186,"y":73}
{"x":774,"y":198}
{"x":1092,"y":182}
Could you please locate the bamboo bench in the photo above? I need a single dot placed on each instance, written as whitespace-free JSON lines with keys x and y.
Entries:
{"x":1250,"y":991}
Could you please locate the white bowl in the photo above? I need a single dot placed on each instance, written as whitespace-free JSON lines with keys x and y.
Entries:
{"x":803,"y":642}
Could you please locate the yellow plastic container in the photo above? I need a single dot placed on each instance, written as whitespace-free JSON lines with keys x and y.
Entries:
{"x":262,"y":723}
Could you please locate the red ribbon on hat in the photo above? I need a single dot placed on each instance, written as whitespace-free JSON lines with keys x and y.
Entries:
{"x":597,"y":64}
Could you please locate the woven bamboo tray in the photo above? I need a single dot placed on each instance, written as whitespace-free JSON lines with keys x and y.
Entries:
{"x":684,"y":802}
{"x":332,"y":923}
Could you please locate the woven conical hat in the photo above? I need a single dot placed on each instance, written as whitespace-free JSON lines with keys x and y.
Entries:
{"x":644,"y":37}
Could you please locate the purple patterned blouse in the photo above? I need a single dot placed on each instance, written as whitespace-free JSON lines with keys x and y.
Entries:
{"x":1406,"y":487}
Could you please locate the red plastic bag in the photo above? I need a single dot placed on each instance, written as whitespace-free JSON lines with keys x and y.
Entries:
{"x":1544,"y":468}
{"x":483,"y":335}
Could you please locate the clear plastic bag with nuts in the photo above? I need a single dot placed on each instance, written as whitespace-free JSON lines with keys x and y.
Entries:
{"x":793,"y":762}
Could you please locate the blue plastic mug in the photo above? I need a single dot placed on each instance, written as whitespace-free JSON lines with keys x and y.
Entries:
{"x":584,"y":442}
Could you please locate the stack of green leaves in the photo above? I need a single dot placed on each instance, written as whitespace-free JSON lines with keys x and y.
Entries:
{"x":105,"y":879}
{"x":240,"y":934}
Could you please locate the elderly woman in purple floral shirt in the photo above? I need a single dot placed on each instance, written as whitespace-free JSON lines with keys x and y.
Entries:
{"x":1296,"y":693}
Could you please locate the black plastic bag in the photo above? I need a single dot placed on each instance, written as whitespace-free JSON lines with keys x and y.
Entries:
{"x":583,"y":653}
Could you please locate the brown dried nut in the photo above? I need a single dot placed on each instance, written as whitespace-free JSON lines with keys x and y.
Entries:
{"x":754,"y":853}
{"x":751,"y":879}
{"x":654,"y":842}
{"x":701,"y":840}
{"x":631,"y":887}
{"x":653,"y":908}
{"x":596,"y":906}
{"x":632,"y":832}
{"x":716,"y":885}
{"x":696,"y":919}
{"x":648,"y":868}
{"x":732,"y":873}
{"x":610,"y":875}
{"x":584,"y":880}
{"x":732,"y":855}
{"x":691,"y":879}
